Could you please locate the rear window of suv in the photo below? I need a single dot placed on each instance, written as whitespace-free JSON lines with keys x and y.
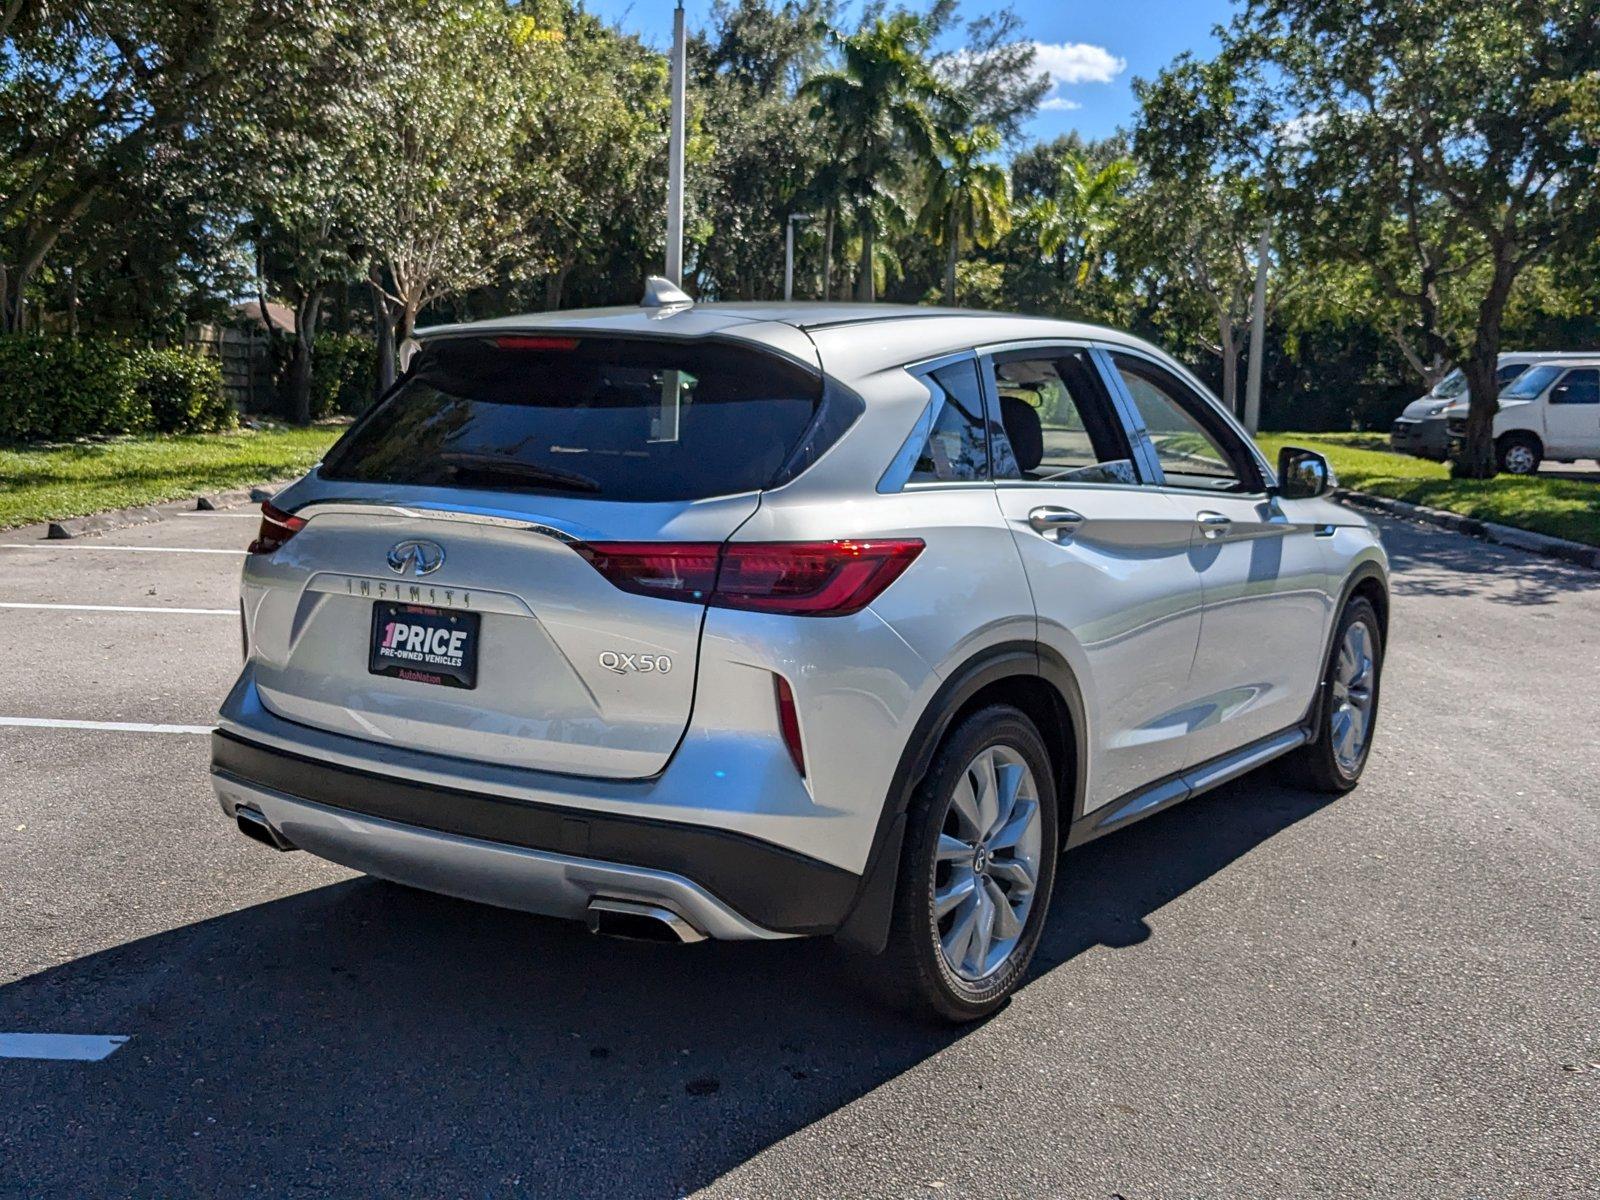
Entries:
{"x":610,"y":418}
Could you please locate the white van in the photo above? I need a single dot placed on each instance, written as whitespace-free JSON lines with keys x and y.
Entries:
{"x":1421,"y":431}
{"x":1549,"y":411}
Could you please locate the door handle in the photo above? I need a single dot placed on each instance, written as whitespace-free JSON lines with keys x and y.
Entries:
{"x":1212,"y":524}
{"x":1050,"y":519}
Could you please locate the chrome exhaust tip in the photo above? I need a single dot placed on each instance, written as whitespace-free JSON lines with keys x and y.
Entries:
{"x":257,"y":828}
{"x":639,"y":922}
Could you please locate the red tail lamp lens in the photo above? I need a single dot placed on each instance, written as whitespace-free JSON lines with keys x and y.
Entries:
{"x":811,"y":579}
{"x":817,"y":579}
{"x":277,"y":527}
{"x":671,"y":570}
{"x":789,"y":723}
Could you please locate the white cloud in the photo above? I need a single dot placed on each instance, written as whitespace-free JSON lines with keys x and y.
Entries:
{"x":1065,"y":63}
{"x":1077,"y":62}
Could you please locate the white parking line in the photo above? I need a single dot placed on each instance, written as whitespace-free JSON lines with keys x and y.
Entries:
{"x":105,"y":726}
{"x":126,"y":608}
{"x":133,"y":549}
{"x":70,"y":1047}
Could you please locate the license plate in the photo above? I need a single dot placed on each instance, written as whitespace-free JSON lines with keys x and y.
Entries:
{"x":424,"y":645}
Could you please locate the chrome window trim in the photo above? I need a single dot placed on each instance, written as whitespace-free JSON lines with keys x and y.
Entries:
{"x":1121,"y":407}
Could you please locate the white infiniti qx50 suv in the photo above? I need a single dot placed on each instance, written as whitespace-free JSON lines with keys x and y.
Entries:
{"x":755,"y":621}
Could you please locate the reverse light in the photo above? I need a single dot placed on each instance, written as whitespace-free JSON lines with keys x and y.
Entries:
{"x":277,"y":527}
{"x":812,"y":579}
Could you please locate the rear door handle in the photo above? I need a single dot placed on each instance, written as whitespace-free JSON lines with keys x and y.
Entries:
{"x":1212,"y":524}
{"x":1050,"y":519}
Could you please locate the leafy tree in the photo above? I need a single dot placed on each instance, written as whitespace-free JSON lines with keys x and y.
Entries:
{"x":761,"y":148}
{"x":90,"y":94}
{"x":1205,"y":148}
{"x":1465,"y":123}
{"x":437,"y":168}
{"x":1072,"y":222}
{"x":970,"y":198}
{"x":879,"y":103}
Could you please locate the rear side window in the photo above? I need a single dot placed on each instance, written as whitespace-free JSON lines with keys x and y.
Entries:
{"x":611,"y":418}
{"x":956,"y":449}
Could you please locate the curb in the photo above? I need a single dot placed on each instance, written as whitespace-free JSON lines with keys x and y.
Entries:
{"x":143,"y":514}
{"x":1576,"y":553}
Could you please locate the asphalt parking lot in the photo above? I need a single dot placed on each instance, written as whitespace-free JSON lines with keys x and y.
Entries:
{"x":1256,"y":994}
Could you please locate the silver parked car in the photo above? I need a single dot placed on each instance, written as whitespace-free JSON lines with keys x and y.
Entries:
{"x":758,"y":620}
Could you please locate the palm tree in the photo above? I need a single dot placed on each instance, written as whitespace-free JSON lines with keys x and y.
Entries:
{"x":967,"y":198}
{"x":880,"y":102}
{"x":1073,"y":223}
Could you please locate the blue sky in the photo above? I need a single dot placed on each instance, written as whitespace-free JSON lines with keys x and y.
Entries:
{"x":1095,"y":49}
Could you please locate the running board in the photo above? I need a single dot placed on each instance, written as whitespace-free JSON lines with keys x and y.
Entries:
{"x":1164,"y":793}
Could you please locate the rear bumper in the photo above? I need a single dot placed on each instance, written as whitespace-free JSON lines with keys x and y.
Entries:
{"x":535,"y":857}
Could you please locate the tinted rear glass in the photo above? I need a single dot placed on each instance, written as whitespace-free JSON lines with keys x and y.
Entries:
{"x":611,"y":418}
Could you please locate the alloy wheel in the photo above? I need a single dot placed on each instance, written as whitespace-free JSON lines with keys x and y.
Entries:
{"x":986,"y":864}
{"x":1350,"y":717}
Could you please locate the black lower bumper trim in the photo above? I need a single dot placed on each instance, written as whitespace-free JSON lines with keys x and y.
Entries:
{"x":773,"y":887}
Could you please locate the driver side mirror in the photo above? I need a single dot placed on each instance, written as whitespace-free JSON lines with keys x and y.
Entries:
{"x":1303,"y":474}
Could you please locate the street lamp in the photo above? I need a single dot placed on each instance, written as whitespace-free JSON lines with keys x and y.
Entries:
{"x":788,"y":254}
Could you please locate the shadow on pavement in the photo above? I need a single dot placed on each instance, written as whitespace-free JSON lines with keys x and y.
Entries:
{"x":364,"y":1039}
{"x":1428,"y":562}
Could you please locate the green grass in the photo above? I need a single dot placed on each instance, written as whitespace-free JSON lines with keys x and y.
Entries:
{"x":47,"y":483}
{"x":1564,"y":508}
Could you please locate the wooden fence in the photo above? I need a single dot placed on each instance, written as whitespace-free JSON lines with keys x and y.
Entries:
{"x":246,"y":360}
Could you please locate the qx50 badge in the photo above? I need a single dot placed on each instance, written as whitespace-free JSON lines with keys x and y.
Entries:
{"x":415,"y":558}
{"x":621,"y":664}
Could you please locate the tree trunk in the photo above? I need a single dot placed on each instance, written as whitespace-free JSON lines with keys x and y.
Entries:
{"x":300,"y":360}
{"x":950,"y":264}
{"x":1477,"y":459}
{"x":1228,"y":348}
{"x":383,"y":334}
{"x":829,"y":222}
{"x":866,"y":286}
{"x":554,"y":284}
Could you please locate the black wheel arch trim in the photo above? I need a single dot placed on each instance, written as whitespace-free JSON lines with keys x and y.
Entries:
{"x":867,"y":927}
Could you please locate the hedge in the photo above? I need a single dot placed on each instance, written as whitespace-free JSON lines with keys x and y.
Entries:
{"x":55,"y":389}
{"x":343,"y":368}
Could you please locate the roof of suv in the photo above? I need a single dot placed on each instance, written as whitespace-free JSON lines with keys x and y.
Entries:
{"x":855,"y":338}
{"x":701,"y":319}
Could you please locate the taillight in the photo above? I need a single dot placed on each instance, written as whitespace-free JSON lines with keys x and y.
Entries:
{"x":671,"y":570}
{"x":813,"y":579}
{"x":789,"y":722}
{"x":277,"y":527}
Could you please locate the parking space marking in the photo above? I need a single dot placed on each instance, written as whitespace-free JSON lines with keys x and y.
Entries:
{"x":133,"y":549}
{"x":125,"y":608}
{"x":104,"y":726}
{"x":67,"y":1047}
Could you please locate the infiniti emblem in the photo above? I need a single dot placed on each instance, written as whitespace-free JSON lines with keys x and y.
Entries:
{"x":416,"y":558}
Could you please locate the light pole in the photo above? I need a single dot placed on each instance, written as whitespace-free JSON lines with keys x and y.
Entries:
{"x":788,"y":254}
{"x":675,"y":155}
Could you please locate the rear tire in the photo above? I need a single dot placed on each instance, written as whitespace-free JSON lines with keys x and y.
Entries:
{"x":1519,"y":454}
{"x":1334,"y":762}
{"x":976,"y":870}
